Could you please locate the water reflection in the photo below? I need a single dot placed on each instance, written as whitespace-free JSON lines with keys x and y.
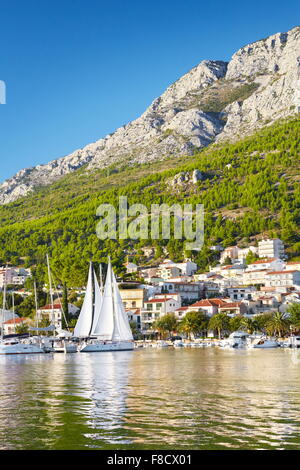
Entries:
{"x":206,"y":399}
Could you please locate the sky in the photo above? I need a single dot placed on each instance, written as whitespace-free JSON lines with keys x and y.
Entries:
{"x":75,"y":70}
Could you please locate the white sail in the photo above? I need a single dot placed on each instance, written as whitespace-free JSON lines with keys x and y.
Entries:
{"x":84,"y":322}
{"x":97,"y":305}
{"x":104,"y":327}
{"x":122,"y":330}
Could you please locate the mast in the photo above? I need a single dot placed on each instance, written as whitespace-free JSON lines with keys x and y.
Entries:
{"x":113,"y":296}
{"x":51,"y":292}
{"x":101,"y":279}
{"x":13,"y":309}
{"x":93,"y":299}
{"x":4,"y":303}
{"x":36,"y":305}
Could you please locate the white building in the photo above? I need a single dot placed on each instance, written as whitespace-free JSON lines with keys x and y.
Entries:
{"x":11,"y":275}
{"x":189,"y":291}
{"x":271,"y":248}
{"x":156,"y":308}
{"x":187,"y":268}
{"x":241,"y":292}
{"x":283,"y":278}
{"x":229,"y":252}
{"x":243,"y":252}
{"x":272,"y":264}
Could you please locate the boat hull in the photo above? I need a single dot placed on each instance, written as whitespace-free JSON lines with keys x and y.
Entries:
{"x":266,"y":345}
{"x":20,"y":349}
{"x":102,"y":346}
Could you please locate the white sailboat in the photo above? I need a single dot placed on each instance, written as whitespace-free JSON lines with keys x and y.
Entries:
{"x":14,"y":345}
{"x":103,"y":321}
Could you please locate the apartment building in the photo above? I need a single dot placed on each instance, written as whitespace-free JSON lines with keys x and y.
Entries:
{"x":154,"y":309}
{"x":133,"y":298}
{"x":283,"y":278}
{"x":271,"y":248}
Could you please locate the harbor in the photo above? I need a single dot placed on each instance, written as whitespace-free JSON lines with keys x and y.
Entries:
{"x":208,"y":398}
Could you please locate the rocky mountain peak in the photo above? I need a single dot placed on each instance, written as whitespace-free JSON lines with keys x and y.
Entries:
{"x":215,"y":100}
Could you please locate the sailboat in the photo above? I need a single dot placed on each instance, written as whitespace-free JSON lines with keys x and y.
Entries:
{"x":14,"y":345}
{"x":103,"y":323}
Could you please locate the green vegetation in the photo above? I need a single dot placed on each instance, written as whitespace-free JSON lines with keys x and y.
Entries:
{"x":217,"y":98}
{"x":251,"y":189}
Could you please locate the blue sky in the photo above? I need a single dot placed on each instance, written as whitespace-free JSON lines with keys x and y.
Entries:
{"x":76,"y":70}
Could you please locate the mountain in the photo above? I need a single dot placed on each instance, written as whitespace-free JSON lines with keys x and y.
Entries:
{"x":249,"y":188}
{"x":215,"y":101}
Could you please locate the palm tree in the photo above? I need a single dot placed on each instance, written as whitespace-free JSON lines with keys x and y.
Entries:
{"x":193,"y":323}
{"x":278,"y":324}
{"x":293,"y":311}
{"x":219,"y":322}
{"x":165,"y":324}
{"x":249,"y":325}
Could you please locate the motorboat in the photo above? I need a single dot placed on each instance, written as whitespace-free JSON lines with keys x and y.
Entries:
{"x":263,"y":342}
{"x":236,"y":340}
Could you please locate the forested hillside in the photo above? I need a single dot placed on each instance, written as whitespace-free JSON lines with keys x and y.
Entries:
{"x":250,"y":188}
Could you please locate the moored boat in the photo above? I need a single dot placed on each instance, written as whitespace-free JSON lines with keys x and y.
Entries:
{"x":103,"y":324}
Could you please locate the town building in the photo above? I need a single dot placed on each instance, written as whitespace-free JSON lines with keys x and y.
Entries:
{"x":271,"y":248}
{"x":241,"y":292}
{"x":10,"y":327}
{"x":154,"y":309}
{"x":283,"y":278}
{"x":133,"y":298}
{"x":272,"y":264}
{"x":229,"y":252}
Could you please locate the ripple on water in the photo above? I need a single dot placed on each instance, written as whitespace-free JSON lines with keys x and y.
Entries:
{"x":202,"y":399}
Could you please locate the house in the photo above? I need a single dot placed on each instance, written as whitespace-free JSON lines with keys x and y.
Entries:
{"x":189,"y":291}
{"x":229,"y":252}
{"x":131,"y":268}
{"x":186,"y":268}
{"x":241,"y":292}
{"x":53,"y":315}
{"x":233,"y":270}
{"x":134,"y":316}
{"x":243,"y":252}
{"x":208,"y":306}
{"x":180,"y":312}
{"x":213,"y":306}
{"x":10,"y":326}
{"x":167,"y":272}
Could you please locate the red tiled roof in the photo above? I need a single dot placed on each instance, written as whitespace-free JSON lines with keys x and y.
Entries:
{"x":261,"y":261}
{"x":230,"y":304}
{"x":49,"y":307}
{"x":209,"y":303}
{"x":157,"y":300}
{"x":14,"y":320}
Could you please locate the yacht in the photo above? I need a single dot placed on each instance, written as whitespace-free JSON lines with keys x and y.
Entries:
{"x":236,"y":340}
{"x":14,"y":346}
{"x":262,"y":342}
{"x":103,"y":324}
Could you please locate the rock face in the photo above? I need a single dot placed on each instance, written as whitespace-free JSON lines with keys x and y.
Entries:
{"x":215,"y":100}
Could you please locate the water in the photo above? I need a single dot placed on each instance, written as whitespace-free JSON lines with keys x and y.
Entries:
{"x":151,"y":399}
